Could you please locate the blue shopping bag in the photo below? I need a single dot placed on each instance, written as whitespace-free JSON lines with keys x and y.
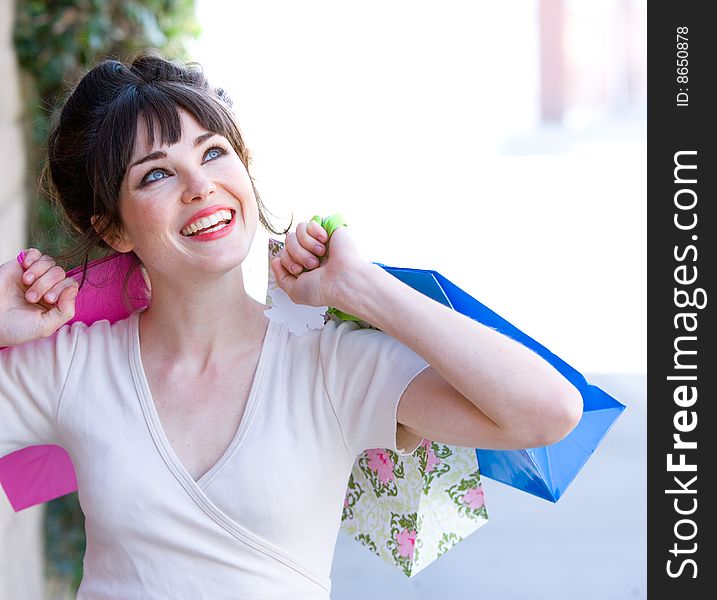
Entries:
{"x":548,"y":471}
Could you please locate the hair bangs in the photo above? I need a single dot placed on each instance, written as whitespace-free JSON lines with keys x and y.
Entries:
{"x":92,"y":141}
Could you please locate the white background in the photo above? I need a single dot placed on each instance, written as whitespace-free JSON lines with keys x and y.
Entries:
{"x":418,"y":121}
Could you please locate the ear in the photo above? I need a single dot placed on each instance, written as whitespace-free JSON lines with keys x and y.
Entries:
{"x":120,"y":243}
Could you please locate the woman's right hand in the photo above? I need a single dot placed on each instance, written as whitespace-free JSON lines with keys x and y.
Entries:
{"x":36,"y":298}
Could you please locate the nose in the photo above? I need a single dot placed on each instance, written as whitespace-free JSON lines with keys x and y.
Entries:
{"x":198,"y":186}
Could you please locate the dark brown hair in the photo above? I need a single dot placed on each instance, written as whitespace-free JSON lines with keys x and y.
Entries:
{"x":92,"y":138}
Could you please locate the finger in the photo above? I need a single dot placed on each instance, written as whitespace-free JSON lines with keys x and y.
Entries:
{"x":309,"y":237}
{"x":299,"y":254}
{"x":286,"y":260}
{"x":295,"y":258}
{"x":66,"y":299}
{"x":37,"y":267}
{"x":62,"y":312}
{"x":284,"y":279}
{"x":289,"y":264}
{"x":316,"y":230}
{"x":29,"y":256}
{"x":44,"y":282}
{"x":54,"y":292}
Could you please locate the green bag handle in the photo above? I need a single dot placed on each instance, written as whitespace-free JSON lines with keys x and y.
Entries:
{"x":331,"y":224}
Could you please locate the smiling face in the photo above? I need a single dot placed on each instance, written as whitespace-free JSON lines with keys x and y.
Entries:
{"x":165,"y":189}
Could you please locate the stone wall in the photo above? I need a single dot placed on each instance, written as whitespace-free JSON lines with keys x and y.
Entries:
{"x":21,"y":563}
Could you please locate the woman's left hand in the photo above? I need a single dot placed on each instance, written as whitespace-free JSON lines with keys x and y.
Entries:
{"x":305,"y":273}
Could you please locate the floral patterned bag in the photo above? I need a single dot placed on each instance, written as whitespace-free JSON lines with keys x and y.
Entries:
{"x":409,"y":509}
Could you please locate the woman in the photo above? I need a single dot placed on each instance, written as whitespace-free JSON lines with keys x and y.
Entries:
{"x":212,"y":447}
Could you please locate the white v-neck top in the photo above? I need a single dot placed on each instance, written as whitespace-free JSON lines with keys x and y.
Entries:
{"x":262,"y":522}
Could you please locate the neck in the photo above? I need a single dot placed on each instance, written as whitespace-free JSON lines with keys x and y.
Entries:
{"x":201,"y":323}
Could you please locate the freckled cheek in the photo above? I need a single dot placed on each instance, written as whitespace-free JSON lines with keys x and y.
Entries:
{"x":237,"y":180}
{"x":152,"y":226}
{"x":248,"y":217}
{"x":244,"y":194}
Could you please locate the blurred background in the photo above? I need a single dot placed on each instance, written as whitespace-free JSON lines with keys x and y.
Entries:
{"x":501,"y":144}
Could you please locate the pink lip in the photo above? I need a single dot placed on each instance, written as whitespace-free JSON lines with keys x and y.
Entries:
{"x":205,"y":213}
{"x":207,"y":237}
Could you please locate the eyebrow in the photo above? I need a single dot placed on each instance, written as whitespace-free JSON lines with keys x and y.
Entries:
{"x":162,"y":154}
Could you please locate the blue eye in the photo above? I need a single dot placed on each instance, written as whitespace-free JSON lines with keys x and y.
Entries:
{"x":149,"y":179}
{"x":146,"y":180}
{"x":220,"y":150}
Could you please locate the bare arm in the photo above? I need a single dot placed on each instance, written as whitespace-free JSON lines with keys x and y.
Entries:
{"x":482,"y":389}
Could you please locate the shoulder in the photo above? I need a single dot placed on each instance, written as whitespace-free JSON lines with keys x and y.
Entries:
{"x":91,"y":339}
{"x":348,"y":337}
{"x":100,"y":329}
{"x":51,"y":357}
{"x":332,"y":336}
{"x":64,"y":339}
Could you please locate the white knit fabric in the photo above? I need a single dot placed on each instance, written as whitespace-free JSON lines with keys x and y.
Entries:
{"x":263,"y":521}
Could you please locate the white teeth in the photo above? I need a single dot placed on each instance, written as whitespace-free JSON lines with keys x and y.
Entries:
{"x":205,"y":222}
{"x":216,"y":228}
